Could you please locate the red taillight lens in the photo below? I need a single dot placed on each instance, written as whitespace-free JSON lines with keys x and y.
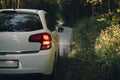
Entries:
{"x":43,"y":38}
{"x":46,"y":36}
{"x":35,"y":38}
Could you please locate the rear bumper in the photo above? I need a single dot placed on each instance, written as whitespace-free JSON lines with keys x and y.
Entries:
{"x":24,"y":76}
{"x":41,"y":62}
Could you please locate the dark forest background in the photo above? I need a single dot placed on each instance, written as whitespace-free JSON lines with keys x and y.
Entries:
{"x":68,"y":11}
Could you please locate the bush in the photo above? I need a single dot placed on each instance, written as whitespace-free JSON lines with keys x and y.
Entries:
{"x":107,"y":48}
{"x":108,"y":43}
{"x":83,"y":63}
{"x":95,"y":51}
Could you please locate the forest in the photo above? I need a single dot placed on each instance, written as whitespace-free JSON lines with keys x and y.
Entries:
{"x":95,"y":53}
{"x":68,"y":11}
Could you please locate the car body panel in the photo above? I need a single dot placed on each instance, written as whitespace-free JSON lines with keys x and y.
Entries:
{"x":15,"y":41}
{"x":40,"y":62}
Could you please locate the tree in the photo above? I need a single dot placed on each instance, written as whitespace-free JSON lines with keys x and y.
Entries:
{"x":18,"y":3}
{"x":0,"y":4}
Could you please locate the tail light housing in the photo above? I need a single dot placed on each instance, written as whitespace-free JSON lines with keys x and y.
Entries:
{"x":43,"y":38}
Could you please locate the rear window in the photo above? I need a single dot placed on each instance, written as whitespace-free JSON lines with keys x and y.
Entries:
{"x":19,"y":22}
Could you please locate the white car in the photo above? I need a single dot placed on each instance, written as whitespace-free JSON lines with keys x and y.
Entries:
{"x":29,"y":42}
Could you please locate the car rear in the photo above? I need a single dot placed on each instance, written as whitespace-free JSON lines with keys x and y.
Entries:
{"x":26,"y":45}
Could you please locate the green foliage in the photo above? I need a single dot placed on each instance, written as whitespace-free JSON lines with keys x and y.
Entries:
{"x":92,"y":1}
{"x":83,"y":63}
{"x":108,"y":43}
{"x":95,"y":51}
{"x":107,"y":48}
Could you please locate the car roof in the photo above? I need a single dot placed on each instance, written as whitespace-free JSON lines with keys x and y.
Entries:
{"x":24,"y":10}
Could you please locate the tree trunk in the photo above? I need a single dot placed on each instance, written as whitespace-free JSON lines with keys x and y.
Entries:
{"x":18,"y":4}
{"x":93,"y":12}
{"x":6,"y":3}
{"x":109,"y":5}
{"x":101,"y":3}
{"x":0,"y":4}
{"x":10,"y":4}
{"x":119,"y":4}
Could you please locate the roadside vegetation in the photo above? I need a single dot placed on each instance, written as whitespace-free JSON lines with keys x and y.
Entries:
{"x":95,"y":51}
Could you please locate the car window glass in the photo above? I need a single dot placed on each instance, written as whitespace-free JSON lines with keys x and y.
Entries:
{"x":19,"y":22}
{"x":49,"y":22}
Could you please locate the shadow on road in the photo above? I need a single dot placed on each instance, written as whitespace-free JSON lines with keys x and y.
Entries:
{"x":62,"y":69}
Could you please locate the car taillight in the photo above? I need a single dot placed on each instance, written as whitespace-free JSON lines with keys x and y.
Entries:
{"x":43,"y":38}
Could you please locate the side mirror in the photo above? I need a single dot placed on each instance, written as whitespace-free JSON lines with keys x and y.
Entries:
{"x":60,"y":29}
